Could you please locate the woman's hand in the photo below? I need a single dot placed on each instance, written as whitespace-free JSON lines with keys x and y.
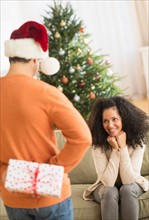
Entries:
{"x":117,"y":142}
{"x":121,"y":139}
{"x":113,"y":142}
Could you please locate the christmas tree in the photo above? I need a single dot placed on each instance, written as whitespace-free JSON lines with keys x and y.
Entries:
{"x":83,"y":75}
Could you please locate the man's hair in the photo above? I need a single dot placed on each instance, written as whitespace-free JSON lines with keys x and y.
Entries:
{"x":18,"y":59}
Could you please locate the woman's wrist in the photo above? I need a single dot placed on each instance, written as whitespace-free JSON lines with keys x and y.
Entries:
{"x":123,"y":146}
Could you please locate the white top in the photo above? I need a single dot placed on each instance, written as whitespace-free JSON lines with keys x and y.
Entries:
{"x":126,"y":162}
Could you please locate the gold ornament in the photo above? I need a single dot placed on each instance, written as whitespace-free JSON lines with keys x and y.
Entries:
{"x":79,"y":51}
{"x":78,"y":67}
{"x":62,"y":23}
{"x":57,"y":35}
{"x":85,"y":41}
{"x":60,"y":88}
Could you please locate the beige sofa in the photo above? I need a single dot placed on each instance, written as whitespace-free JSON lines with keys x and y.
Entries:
{"x":84,"y":175}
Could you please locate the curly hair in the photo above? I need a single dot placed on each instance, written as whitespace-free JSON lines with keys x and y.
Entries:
{"x":135,"y":122}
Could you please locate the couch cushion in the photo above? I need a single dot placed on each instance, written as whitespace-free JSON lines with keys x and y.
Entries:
{"x":60,"y":139}
{"x":90,"y":210}
{"x":144,"y":206}
{"x":145,"y":164}
{"x":84,"y":210}
{"x":3,"y":215}
{"x":84,"y":172}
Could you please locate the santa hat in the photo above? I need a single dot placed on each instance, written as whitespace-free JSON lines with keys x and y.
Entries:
{"x":30,"y":41}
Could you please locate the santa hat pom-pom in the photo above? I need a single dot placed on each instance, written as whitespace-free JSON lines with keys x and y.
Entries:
{"x":50,"y":66}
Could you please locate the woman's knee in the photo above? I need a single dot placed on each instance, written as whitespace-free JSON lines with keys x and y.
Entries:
{"x":111,"y":193}
{"x":108,"y":193}
{"x":130,"y":190}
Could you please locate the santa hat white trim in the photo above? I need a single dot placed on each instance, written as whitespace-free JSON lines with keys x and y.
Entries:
{"x":24,"y":48}
{"x":29,"y":49}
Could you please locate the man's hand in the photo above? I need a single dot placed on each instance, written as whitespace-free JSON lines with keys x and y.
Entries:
{"x":3,"y":176}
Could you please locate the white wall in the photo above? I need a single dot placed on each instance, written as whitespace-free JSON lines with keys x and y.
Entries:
{"x":114,"y":27}
{"x":15,"y":13}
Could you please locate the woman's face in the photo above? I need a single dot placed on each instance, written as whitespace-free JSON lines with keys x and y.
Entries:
{"x":112,"y":121}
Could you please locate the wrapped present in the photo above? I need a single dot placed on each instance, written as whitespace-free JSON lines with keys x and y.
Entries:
{"x":34,"y":178}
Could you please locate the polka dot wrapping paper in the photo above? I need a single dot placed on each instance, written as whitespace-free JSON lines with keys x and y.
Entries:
{"x":34,"y":178}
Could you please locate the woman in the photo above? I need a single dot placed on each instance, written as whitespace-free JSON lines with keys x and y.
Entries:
{"x":119,"y":131}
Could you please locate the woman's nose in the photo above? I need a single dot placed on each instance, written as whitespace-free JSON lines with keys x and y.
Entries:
{"x":110,"y":125}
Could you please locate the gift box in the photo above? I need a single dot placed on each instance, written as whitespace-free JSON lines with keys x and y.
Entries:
{"x":34,"y":178}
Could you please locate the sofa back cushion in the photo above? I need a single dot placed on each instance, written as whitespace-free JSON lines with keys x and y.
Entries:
{"x":84,"y":172}
{"x":145,"y":164}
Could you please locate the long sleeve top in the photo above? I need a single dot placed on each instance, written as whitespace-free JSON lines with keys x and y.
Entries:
{"x":29,"y":111}
{"x":109,"y":164}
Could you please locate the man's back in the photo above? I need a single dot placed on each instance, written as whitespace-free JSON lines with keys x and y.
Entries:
{"x":30,"y":109}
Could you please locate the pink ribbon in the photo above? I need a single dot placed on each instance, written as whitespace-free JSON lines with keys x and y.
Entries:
{"x":34,"y":181}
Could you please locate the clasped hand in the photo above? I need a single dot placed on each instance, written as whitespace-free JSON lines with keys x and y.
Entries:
{"x":117,"y":142}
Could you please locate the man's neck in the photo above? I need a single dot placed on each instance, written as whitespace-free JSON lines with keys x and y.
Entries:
{"x":21,"y":69}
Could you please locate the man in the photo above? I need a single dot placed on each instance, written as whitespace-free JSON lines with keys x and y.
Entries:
{"x":30,"y":110}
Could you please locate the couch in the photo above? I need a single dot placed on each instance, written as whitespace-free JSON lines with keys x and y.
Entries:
{"x":82,"y":176}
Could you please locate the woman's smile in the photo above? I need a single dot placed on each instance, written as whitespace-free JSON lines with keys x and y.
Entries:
{"x":112,"y":122}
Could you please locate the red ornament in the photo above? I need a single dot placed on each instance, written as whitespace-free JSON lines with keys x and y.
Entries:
{"x":92,"y":95}
{"x":97,"y":77}
{"x":82,"y":29}
{"x":81,"y":84}
{"x":64,"y":80}
{"x":90,"y":61}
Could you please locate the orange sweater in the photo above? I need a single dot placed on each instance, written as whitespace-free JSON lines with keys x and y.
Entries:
{"x":29,"y":110}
